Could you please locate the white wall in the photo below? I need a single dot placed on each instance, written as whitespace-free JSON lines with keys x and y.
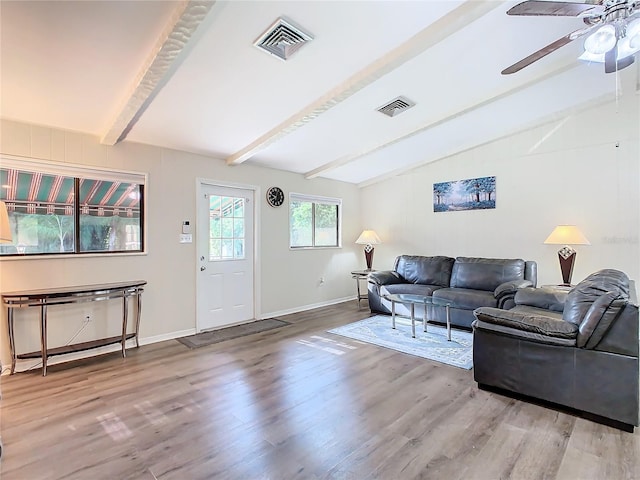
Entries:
{"x":289,"y":280}
{"x":582,"y":169}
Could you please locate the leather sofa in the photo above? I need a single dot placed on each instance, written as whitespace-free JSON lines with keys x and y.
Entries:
{"x":467,"y":282}
{"x":577,"y":349}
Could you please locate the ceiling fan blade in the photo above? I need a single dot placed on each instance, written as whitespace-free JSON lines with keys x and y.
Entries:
{"x":611,"y":62}
{"x":543,"y":52}
{"x":559,"y":9}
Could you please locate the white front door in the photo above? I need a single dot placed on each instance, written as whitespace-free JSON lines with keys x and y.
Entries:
{"x":225,"y":232}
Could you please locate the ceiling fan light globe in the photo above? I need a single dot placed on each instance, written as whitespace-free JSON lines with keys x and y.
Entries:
{"x":628,"y":46}
{"x":633,"y":29}
{"x":602,"y":40}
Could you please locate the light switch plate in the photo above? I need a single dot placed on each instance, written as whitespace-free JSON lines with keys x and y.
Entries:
{"x":186,"y":238}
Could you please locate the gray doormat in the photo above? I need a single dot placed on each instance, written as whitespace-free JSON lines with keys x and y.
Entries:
{"x":216,"y":336}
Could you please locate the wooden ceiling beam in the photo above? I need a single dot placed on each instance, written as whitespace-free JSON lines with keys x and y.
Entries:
{"x":162,"y":62}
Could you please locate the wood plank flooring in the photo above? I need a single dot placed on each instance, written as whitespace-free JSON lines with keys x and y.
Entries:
{"x":290,"y":403}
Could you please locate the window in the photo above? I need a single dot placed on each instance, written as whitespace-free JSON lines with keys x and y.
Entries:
{"x":314,"y":221}
{"x":60,"y":209}
{"x":226,"y":228}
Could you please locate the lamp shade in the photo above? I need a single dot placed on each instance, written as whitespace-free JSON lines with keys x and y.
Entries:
{"x":567,"y":235}
{"x":5,"y":226}
{"x":368,"y":237}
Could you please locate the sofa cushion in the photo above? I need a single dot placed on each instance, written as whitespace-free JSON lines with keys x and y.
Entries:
{"x":425,"y":270}
{"x":529,"y":310}
{"x":485,"y":273}
{"x":582,"y":296}
{"x":539,"y":324}
{"x":467,"y":299}
{"x":522,"y":334}
{"x":412,"y":288}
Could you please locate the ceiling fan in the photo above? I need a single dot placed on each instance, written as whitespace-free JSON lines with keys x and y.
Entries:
{"x":613,"y":27}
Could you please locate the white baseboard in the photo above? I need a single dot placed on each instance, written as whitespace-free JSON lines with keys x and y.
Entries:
{"x":307,"y":307}
{"x":167,"y":336}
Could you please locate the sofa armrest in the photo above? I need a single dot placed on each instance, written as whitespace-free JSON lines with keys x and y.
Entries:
{"x":537,"y":324}
{"x":602,"y":313}
{"x":507,"y":291}
{"x":510,"y":288}
{"x":385,"y":277}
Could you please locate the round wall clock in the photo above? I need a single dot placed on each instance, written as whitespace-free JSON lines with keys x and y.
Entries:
{"x":275,"y":196}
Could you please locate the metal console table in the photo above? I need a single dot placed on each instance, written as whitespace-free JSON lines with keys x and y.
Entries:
{"x":74,"y":294}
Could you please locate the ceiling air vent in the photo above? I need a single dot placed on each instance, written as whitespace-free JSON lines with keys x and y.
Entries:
{"x":396,"y":106}
{"x":282,"y":39}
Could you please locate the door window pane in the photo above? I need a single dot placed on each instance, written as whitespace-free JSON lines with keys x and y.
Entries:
{"x":226,"y":228}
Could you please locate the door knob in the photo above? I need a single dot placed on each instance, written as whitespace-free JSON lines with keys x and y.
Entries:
{"x":202,"y":269}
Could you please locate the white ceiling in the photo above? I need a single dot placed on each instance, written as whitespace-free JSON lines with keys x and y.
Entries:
{"x":185,"y":75}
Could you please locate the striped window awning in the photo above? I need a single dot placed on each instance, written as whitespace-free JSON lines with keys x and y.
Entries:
{"x":43,"y":193}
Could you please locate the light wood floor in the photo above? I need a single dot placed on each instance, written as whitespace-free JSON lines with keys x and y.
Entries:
{"x":288,"y":404}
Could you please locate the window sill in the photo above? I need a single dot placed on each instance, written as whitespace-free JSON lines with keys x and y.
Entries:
{"x":69,"y":256}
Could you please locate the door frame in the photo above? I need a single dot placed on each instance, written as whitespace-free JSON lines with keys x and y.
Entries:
{"x":257,"y":195}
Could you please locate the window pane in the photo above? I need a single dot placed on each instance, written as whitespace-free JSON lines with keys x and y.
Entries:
{"x":109,"y":216}
{"x":42,"y":213}
{"x":326,"y":225}
{"x":215,"y":226}
{"x":227,"y":248}
{"x":238,"y":228}
{"x":227,"y":206}
{"x":215,"y":249}
{"x":301,"y":224}
{"x":40,"y":208}
{"x":226,"y":228}
{"x":238,"y":249}
{"x":239,"y":208}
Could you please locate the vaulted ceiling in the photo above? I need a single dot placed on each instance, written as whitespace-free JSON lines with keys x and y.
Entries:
{"x":186,"y":75}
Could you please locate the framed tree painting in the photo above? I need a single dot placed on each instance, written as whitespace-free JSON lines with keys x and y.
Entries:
{"x":469,"y":194}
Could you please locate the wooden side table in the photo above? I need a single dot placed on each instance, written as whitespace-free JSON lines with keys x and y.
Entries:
{"x":359,"y":275}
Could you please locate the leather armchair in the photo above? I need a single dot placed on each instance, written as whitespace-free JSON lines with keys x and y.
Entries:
{"x":577,"y":349}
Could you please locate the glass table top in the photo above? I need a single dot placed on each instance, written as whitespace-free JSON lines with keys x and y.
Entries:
{"x":409,"y":298}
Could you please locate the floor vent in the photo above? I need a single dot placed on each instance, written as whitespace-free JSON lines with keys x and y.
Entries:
{"x":396,"y":106}
{"x":282,"y":39}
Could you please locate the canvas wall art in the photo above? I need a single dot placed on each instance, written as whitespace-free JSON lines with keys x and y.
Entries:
{"x":469,"y":194}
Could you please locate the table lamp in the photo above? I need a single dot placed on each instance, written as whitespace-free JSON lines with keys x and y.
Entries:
{"x":5,"y":226}
{"x":566,"y":235}
{"x":368,"y":238}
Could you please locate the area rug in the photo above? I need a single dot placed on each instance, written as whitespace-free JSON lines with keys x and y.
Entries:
{"x":432,"y":344}
{"x":216,"y":336}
